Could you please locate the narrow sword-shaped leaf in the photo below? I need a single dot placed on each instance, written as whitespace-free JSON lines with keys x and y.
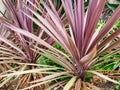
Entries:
{"x":12,"y":45}
{"x":32,"y":36}
{"x":50,"y":77}
{"x":117,"y":43}
{"x":105,"y":77}
{"x":27,"y":71}
{"x":115,"y":16}
{"x":93,"y":22}
{"x":111,"y":37}
{"x":70,"y":83}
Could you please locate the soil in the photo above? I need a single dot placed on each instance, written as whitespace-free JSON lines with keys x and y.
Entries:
{"x":106,"y":86}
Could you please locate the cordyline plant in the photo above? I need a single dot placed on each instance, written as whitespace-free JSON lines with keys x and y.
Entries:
{"x":64,"y":22}
{"x":16,"y":52}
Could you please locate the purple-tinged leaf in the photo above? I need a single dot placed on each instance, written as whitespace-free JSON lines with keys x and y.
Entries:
{"x":115,"y":16}
{"x":12,"y":45}
{"x":117,"y":43}
{"x":111,"y":37}
{"x":32,"y":36}
{"x":92,"y":24}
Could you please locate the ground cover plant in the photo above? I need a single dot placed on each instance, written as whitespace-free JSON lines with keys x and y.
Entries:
{"x":52,"y":44}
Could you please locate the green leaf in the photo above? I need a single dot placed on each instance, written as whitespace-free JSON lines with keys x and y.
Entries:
{"x":112,"y":6}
